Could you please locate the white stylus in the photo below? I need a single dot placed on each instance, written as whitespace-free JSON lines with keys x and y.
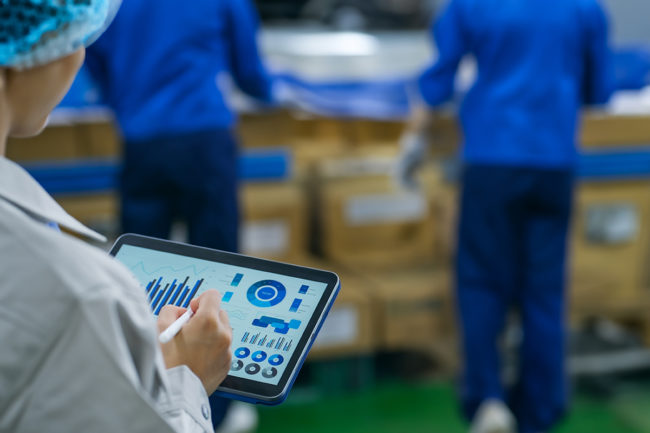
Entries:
{"x":169,"y":333}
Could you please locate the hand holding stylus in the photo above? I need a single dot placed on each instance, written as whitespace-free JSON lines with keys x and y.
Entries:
{"x":202,"y":340}
{"x":173,"y":329}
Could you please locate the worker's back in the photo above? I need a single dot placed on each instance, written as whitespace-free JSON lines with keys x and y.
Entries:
{"x":538,"y":61}
{"x":158,"y":64}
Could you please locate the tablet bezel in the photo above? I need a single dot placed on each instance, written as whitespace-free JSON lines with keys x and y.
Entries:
{"x":251,"y":389}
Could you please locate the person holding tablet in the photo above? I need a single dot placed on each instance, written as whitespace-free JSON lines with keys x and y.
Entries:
{"x":276,"y":309}
{"x":80,"y":349}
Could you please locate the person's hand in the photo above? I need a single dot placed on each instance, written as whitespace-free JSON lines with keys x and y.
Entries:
{"x":413,"y":152}
{"x":414,"y":145}
{"x":203,"y":344}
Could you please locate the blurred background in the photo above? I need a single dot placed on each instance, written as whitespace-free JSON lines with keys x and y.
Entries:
{"x":316,"y":190}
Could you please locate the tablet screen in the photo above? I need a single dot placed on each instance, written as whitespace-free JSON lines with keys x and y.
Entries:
{"x":268,"y":312}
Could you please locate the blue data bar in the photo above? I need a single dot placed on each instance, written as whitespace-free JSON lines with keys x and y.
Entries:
{"x":237,"y":280}
{"x":180,"y":290}
{"x":159,"y":297}
{"x":194,"y":290}
{"x":168,"y":294}
{"x":155,"y":289}
{"x":175,"y":294}
{"x":182,"y":298}
{"x":295,"y":305}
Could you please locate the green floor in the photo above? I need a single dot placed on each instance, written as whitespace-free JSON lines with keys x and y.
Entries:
{"x":431,"y":407}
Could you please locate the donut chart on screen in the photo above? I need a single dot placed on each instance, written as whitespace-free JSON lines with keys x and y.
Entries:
{"x":266,"y":293}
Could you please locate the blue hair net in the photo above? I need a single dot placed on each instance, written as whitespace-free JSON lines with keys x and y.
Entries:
{"x":35,"y":32}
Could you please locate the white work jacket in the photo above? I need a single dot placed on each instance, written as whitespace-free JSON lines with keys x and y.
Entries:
{"x":78,"y":342}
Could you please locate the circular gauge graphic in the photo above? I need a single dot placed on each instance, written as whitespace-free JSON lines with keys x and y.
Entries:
{"x":236,"y":365}
{"x":259,"y":356}
{"x":269,"y":372}
{"x":252,"y":369}
{"x":276,"y":359}
{"x":242,"y":352}
{"x":266,"y":293}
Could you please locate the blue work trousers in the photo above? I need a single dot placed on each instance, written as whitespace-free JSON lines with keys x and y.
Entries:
{"x":190,"y":177}
{"x":512,"y":243}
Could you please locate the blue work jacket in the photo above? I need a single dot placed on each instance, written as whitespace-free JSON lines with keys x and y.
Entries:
{"x":157,"y":64}
{"x":538,"y":62}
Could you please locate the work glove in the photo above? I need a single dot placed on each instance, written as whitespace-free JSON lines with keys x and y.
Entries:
{"x":414,"y":145}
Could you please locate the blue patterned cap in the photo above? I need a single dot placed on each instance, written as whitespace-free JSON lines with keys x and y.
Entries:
{"x":35,"y":32}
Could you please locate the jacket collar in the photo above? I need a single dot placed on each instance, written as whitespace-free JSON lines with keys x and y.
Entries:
{"x":21,"y":190}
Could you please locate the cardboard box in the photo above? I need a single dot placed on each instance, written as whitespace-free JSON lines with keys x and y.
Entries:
{"x":610,"y":241}
{"x":54,"y":143}
{"x":364,"y":132}
{"x":317,"y":129}
{"x":311,"y":156}
{"x":366,"y":220}
{"x":96,"y":139}
{"x":349,"y":327}
{"x":99,"y":140}
{"x":632,"y":314}
{"x":598,"y":130}
{"x":267,"y":128}
{"x":307,"y":155}
{"x":412,"y":307}
{"x":99,"y":212}
{"x":274,"y":220}
{"x":604,"y":130}
{"x":447,"y":211}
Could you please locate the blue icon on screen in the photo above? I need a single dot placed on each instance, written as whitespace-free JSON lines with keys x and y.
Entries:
{"x":242,"y":352}
{"x":236,"y":280}
{"x":266,"y":293}
{"x":279,"y":325}
{"x":295,"y":305}
{"x":259,"y":356}
{"x":276,"y":360}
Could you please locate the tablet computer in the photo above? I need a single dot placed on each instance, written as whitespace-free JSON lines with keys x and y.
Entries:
{"x":275,"y":309}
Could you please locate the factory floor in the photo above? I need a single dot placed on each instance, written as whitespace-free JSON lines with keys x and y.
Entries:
{"x":430,"y":407}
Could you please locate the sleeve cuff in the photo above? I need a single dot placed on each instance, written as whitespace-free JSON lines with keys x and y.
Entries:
{"x":189,"y":396}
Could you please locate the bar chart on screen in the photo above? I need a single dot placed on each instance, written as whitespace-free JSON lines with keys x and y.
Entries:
{"x":167,"y":284}
{"x":177,"y":292}
{"x":270,"y":342}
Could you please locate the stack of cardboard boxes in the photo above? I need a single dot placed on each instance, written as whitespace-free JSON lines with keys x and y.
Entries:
{"x":389,"y":246}
{"x":392,"y":248}
{"x":69,"y":144}
{"x":275,"y":219}
{"x":391,"y":239}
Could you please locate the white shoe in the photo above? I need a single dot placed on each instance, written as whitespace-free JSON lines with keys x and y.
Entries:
{"x":493,"y":416}
{"x":240,"y":418}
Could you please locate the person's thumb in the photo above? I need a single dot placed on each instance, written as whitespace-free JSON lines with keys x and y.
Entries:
{"x":168,"y":314}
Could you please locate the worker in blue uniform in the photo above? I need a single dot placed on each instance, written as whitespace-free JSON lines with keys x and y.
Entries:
{"x":160,"y":67}
{"x":538,"y":62}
